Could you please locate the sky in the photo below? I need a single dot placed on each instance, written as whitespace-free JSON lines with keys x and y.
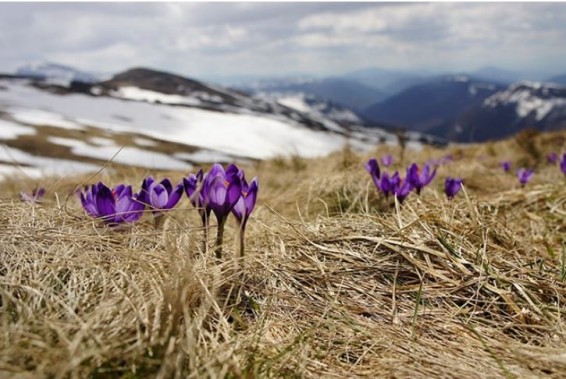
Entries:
{"x":221,"y":40}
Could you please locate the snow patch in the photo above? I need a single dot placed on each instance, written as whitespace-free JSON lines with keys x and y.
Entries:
{"x":34,"y":166}
{"x":204,"y":156}
{"x":528,"y":97}
{"x":144,"y":142}
{"x":11,"y":130}
{"x":139,"y":94}
{"x":41,"y":118}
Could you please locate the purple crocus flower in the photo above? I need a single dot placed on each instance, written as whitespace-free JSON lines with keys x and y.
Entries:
{"x":387,"y":160}
{"x":161,"y":196}
{"x":420,"y":179}
{"x":400,"y":187}
{"x":33,"y":197}
{"x":563,"y":163}
{"x":113,"y":206}
{"x":552,"y":158}
{"x":246,"y":203}
{"x":452,"y":186}
{"x":506,"y":166}
{"x":222,"y":190}
{"x":385,"y":184}
{"x":196,"y":194}
{"x":524,"y":175}
{"x":373,"y":168}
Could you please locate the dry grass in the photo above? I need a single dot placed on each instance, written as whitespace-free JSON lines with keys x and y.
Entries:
{"x":335,"y":283}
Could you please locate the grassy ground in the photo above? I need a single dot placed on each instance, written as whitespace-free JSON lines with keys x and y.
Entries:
{"x":336,"y":282}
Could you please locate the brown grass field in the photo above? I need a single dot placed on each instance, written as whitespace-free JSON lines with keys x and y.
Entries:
{"x":335,"y":283}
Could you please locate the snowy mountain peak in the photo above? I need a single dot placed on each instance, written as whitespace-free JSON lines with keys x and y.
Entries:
{"x":527,"y":97}
{"x":55,"y":73}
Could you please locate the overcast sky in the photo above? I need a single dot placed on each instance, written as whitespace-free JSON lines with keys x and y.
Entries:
{"x":209,"y":40}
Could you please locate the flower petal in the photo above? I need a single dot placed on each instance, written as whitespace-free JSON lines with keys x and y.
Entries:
{"x":175,"y":196}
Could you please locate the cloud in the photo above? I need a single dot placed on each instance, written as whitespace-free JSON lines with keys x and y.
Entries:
{"x":207,"y":39}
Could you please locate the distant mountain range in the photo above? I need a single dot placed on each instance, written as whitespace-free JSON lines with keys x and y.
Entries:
{"x":541,"y":106}
{"x":427,"y":106}
{"x":456,"y":107}
{"x":346,"y":92}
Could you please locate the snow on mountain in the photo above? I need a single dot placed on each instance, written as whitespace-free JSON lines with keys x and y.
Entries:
{"x":167,"y":131}
{"x":343,"y":91}
{"x":522,"y":105}
{"x":316,"y":107}
{"x":432,"y":105}
{"x":55,"y":73}
{"x":537,"y":98}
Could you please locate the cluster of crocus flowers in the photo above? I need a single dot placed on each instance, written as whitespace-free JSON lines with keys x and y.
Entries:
{"x":395,"y":184}
{"x":219,"y":191}
{"x":222,"y":191}
{"x":563,"y":164}
{"x":420,"y":178}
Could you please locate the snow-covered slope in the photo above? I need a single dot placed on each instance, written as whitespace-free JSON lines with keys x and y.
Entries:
{"x":164,"y":131}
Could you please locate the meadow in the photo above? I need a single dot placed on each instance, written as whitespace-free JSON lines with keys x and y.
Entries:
{"x":336,"y":282}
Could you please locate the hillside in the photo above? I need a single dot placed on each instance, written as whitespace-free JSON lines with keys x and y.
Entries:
{"x":151,"y":119}
{"x":425,"y":107}
{"x":336,"y":281}
{"x":540,"y":106}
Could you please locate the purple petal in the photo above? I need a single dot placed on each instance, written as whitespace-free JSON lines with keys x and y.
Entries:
{"x":217,"y":191}
{"x":251,"y":196}
{"x":175,"y":196}
{"x":234,"y":192}
{"x":105,"y":202}
{"x":239,"y":209}
{"x":167,"y":184}
{"x":158,"y":196}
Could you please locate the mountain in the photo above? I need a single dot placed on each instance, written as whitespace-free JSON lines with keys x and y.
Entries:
{"x":158,"y":120}
{"x":388,"y":81}
{"x":426,"y":107}
{"x":55,"y":73}
{"x":498,"y":75}
{"x":559,"y":79}
{"x":348,"y":93}
{"x":314,"y":107}
{"x":522,"y":105}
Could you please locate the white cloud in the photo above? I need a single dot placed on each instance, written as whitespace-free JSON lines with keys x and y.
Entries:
{"x":204,"y":39}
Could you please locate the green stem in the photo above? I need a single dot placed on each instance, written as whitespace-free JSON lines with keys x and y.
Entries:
{"x":219,"y":238}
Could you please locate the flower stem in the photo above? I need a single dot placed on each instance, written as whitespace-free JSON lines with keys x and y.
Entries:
{"x":242,"y":240}
{"x":220,"y":238}
{"x":205,"y":232}
{"x":158,"y":220}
